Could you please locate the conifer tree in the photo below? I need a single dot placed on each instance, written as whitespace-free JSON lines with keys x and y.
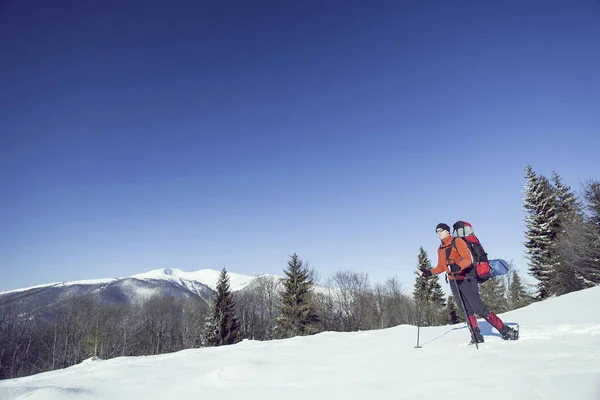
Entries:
{"x":429,"y":293}
{"x":209,"y":332}
{"x":437,"y":301}
{"x":517,"y":294}
{"x":421,"y":281}
{"x":566,"y":277}
{"x":589,"y":255}
{"x":221,"y":326}
{"x":453,"y":314}
{"x":568,"y":206}
{"x":592,"y":197}
{"x":492,"y":293}
{"x":297,"y":313}
{"x":438,"y":298}
{"x":541,"y":222}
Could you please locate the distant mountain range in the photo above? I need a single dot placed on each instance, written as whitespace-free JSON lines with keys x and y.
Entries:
{"x":135,"y":289}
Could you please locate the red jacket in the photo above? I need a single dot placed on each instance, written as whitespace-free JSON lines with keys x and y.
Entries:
{"x":459,"y":255}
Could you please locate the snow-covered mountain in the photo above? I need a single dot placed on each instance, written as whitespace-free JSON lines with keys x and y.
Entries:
{"x":207,"y":277}
{"x":168,"y":282}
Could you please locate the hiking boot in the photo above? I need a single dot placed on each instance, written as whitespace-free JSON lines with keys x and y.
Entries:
{"x":472,"y":342}
{"x":509,"y":333}
{"x":476,"y":336}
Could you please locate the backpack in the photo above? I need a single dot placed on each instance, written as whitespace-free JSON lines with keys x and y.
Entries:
{"x":485,"y":269}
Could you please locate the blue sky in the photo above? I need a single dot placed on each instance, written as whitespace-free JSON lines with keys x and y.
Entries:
{"x":195,"y":135}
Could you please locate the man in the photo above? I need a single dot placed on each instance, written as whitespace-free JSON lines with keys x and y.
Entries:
{"x":457,"y":263}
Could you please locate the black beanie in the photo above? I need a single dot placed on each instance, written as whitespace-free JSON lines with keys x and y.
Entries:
{"x":443,"y":226}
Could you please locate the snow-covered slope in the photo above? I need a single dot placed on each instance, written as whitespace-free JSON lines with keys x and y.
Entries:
{"x":208,"y":277}
{"x":59,"y":284}
{"x":557,"y":358}
{"x":189,"y":280}
{"x":173,"y":283}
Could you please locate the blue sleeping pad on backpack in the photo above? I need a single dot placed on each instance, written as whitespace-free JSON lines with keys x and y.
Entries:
{"x":498,"y":267}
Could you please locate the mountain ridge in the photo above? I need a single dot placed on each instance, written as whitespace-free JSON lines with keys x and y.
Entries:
{"x":136,"y":289}
{"x":207,"y":277}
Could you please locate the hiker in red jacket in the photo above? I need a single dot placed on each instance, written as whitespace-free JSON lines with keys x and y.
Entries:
{"x":458,"y":264}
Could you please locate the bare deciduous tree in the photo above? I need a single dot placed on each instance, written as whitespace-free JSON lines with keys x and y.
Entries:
{"x":351,"y":292}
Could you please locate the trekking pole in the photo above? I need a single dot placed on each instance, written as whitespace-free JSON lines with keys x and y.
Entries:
{"x":419,"y":316}
{"x":464,"y":310}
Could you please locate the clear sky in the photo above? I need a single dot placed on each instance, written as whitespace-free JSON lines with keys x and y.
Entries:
{"x":177,"y":134}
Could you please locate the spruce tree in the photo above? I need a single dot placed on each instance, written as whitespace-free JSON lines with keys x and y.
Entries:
{"x":568,"y":206}
{"x":436,"y":301}
{"x":580,"y":244}
{"x":541,"y":222}
{"x":492,"y":293}
{"x":221,"y":326}
{"x":438,"y":298}
{"x":517,"y":294}
{"x":589,"y":242}
{"x":428,"y":293}
{"x":592,"y":197}
{"x":453,"y":314}
{"x":209,"y":332}
{"x":297,"y":313}
{"x":566,"y":277}
{"x":421,"y":281}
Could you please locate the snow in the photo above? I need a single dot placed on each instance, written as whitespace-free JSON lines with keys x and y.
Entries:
{"x":91,"y":281}
{"x":142,"y":294}
{"x":209,"y":277}
{"x":30,"y":288}
{"x":557,"y":357}
{"x":57,"y":284}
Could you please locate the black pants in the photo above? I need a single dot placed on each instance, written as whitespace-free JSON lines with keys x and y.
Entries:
{"x":469,"y":291}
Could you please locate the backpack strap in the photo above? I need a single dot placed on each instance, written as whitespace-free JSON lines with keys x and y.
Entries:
{"x":471,"y":256}
{"x":449,"y":250}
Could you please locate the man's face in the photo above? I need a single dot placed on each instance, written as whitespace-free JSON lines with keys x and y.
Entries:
{"x":442,"y":233}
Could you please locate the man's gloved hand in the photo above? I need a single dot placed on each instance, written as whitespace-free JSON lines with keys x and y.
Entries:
{"x":425,"y":273}
{"x":454,"y":267}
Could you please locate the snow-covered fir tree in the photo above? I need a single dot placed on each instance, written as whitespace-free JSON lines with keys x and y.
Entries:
{"x":592,"y":197}
{"x":568,"y":205}
{"x":209,"y":331}
{"x":297,"y":313}
{"x":580,"y":245}
{"x":589,"y":261}
{"x":221,"y":326}
{"x":542,"y":228}
{"x":566,"y":277}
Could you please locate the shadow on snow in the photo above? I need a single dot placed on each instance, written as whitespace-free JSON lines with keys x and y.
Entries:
{"x":485,"y":327}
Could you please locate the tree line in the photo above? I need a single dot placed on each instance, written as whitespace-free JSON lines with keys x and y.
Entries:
{"x":563,"y":234}
{"x":82,"y":327}
{"x":271,"y":308}
{"x":295,"y":305}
